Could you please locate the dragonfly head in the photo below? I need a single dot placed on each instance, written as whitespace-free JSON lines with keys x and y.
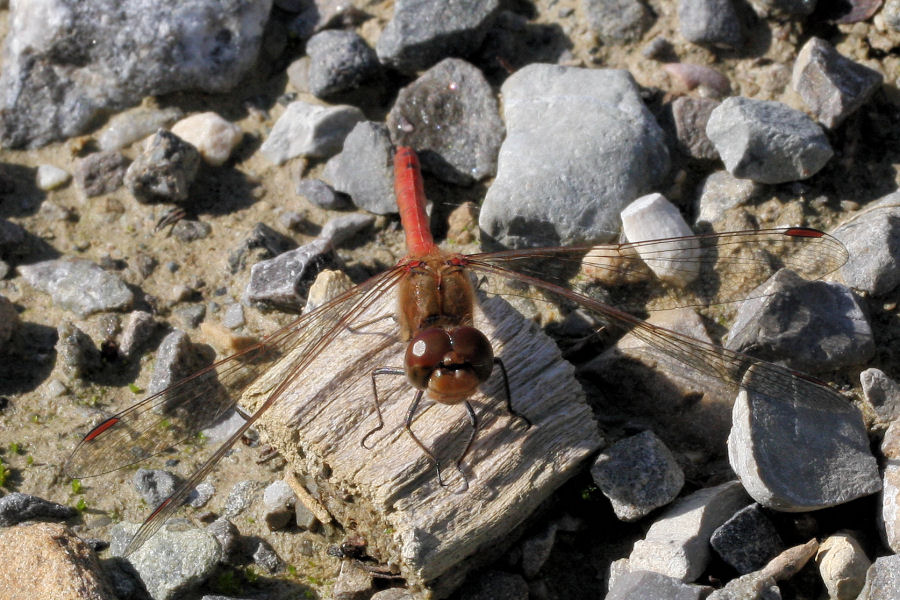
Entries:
{"x":449,"y":364}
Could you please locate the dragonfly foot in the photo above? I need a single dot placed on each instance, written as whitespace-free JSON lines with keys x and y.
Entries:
{"x":368,"y":435}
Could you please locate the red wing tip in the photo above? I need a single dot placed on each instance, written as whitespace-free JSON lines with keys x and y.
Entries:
{"x":100,"y":429}
{"x":804,"y":232}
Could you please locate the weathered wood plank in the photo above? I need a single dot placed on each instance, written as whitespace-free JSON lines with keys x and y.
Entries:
{"x":390,"y":494}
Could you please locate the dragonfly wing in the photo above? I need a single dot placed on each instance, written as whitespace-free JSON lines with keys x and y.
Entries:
{"x":697,"y":270}
{"x":177,"y":413}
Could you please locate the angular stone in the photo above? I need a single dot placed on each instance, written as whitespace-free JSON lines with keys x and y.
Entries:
{"x":580,"y":145}
{"x":712,"y":22}
{"x":748,"y":540}
{"x":353,"y":582}
{"x":309,"y":130}
{"x":285,"y":280}
{"x":76,"y":351}
{"x":810,"y":326}
{"x":883,"y":394}
{"x":422,"y":32}
{"x":690,"y":116}
{"x":721,"y":191}
{"x":450,"y":116}
{"x":832,"y":86}
{"x":638,"y":474}
{"x":889,"y":517}
{"x":100,"y":172}
{"x":321,"y":194}
{"x":78,"y":285}
{"x":872,"y":238}
{"x":165,"y":169}
{"x":616,"y":21}
{"x":653,"y":217}
{"x":50,"y":177}
{"x":136,"y":333}
{"x":767,"y":141}
{"x":176,"y":358}
{"x":677,"y":544}
{"x":339,"y":61}
{"x":17,"y":507}
{"x":364,"y":169}
{"x":212,"y":136}
{"x":882,"y":579}
{"x":648,"y":585}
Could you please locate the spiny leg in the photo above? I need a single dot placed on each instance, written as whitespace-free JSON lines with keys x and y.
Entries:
{"x":375,"y":373}
{"x":409,"y":419}
{"x":473,"y":419}
{"x":509,"y":407}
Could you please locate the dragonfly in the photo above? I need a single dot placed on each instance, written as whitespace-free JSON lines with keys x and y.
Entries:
{"x":447,"y":358}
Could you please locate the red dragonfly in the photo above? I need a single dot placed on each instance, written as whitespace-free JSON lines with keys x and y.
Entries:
{"x":447,"y":358}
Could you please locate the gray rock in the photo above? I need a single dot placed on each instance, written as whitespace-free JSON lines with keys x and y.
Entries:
{"x":266,"y":557}
{"x":321,"y":194}
{"x":872,"y":238}
{"x":240,"y":498}
{"x":229,"y":538}
{"x":100,"y":172}
{"x":311,"y":130}
{"x":647,"y":585}
{"x":748,"y":540}
{"x":201,"y":494}
{"x":580,"y":145}
{"x":339,"y":61}
{"x":279,"y":501}
{"x":883,"y":394}
{"x":176,"y":358}
{"x":164,"y":171}
{"x":353,"y":582}
{"x":72,"y":61}
{"x":883,"y":579}
{"x":536,"y":550}
{"x":234,"y":316}
{"x":805,"y":450}
{"x":677,"y":544}
{"x":450,"y":116}
{"x":305,"y":518}
{"x":138,"y":329}
{"x":614,"y":21}
{"x":78,"y":285}
{"x":784,"y":8}
{"x":76,"y":351}
{"x":810,"y":326}
{"x":191,"y":315}
{"x":638,"y":474}
{"x":364,"y":169}
{"x":495,"y":585}
{"x":16,"y":507}
{"x":842,"y":564}
{"x":154,"y":485}
{"x":712,"y":22}
{"x":126,"y":128}
{"x":223,"y":428}
{"x":266,"y":241}
{"x":340,"y":229}
{"x":889,"y":517}
{"x":393,"y":594}
{"x":188,"y":230}
{"x":171,"y":562}
{"x":285,"y":280}
{"x":721,"y":191}
{"x":422,"y":32}
{"x":891,"y":14}
{"x":753,"y":586}
{"x":690,"y":116}
{"x":767,"y":141}
{"x":832,"y":86}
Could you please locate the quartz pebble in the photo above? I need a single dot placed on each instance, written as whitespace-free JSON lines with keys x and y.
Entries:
{"x":767,"y":141}
{"x":810,"y":326}
{"x":426,"y":113}
{"x":677,"y":544}
{"x":580,"y":146}
{"x":363,"y":170}
{"x":339,"y":62}
{"x":638,"y":474}
{"x":309,"y":130}
{"x":212,"y":136}
{"x":421,"y":32}
{"x":50,"y":177}
{"x":831,"y":85}
{"x":843,"y":565}
{"x":128,"y":127}
{"x":653,"y":217}
{"x":872,"y":238}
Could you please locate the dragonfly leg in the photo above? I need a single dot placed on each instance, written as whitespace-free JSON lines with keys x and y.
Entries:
{"x":509,"y":407}
{"x":473,"y":419}
{"x":409,"y":419}
{"x":375,"y":373}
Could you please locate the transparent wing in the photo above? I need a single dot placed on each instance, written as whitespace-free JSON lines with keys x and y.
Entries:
{"x":697,"y":270}
{"x":177,"y":413}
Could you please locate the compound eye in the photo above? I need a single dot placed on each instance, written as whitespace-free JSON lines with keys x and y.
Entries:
{"x":473,"y":348}
{"x":424,"y":353}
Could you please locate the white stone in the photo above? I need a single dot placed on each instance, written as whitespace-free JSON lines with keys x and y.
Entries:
{"x":212,"y":135}
{"x":677,"y":544}
{"x":128,"y":127}
{"x":50,"y":177}
{"x":652,"y":217}
{"x":843,"y":565}
{"x":279,"y":495}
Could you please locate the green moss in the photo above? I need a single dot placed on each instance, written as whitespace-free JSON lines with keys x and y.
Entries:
{"x":76,"y":486}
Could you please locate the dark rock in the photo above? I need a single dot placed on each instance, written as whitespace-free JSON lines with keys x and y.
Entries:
{"x":164,"y":171}
{"x":16,"y":507}
{"x":240,"y":498}
{"x":450,"y":116}
{"x":495,"y":585}
{"x":748,"y":540}
{"x":690,"y":116}
{"x":9,"y":321}
{"x":322,"y":195}
{"x":832,"y":86}
{"x":101,"y":172}
{"x":423,"y":32}
{"x":267,"y":559}
{"x":12,"y":237}
{"x":229,"y":538}
{"x":712,"y":22}
{"x":536,"y":550}
{"x":883,"y":394}
{"x":262,"y":237}
{"x":784,"y":8}
{"x":339,"y":61}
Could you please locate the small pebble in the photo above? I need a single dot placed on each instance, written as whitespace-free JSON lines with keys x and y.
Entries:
{"x":130,"y":126}
{"x":50,"y":177}
{"x":340,"y":61}
{"x":240,"y":498}
{"x":321,"y":194}
{"x":100,"y":172}
{"x":266,"y":557}
{"x":234,"y":316}
{"x":201,"y":494}
{"x":748,"y":540}
{"x":154,"y":485}
{"x":16,"y":507}
{"x":212,"y":136}
{"x":842,"y":565}
{"x":165,"y":169}
{"x":713,"y":22}
{"x":309,"y":130}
